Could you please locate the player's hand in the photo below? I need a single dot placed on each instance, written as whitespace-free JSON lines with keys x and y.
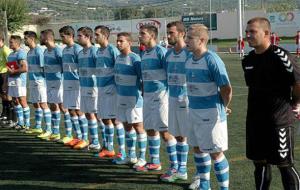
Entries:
{"x":296,"y":111}
{"x":228,"y":111}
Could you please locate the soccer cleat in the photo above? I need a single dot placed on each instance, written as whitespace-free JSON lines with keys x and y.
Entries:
{"x":126,"y":160}
{"x":195,"y":183}
{"x":34,"y":131}
{"x":140,"y":163}
{"x":149,"y":167}
{"x":106,"y":153}
{"x":94,"y":147}
{"x":24,"y":129}
{"x":169,"y":175}
{"x":119,"y":156}
{"x":73,"y":142}
{"x":65,"y":140}
{"x":45,"y":136}
{"x":81,"y":144}
{"x":54,"y":137}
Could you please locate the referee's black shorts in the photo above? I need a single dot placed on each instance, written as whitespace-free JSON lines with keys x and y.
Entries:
{"x":270,"y":143}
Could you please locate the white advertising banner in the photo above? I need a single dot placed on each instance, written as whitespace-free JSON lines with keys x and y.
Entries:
{"x":131,"y":26}
{"x":285,"y":23}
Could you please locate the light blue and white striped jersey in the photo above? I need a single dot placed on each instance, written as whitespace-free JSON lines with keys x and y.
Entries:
{"x":87,"y":71}
{"x":106,"y":58}
{"x":154,"y":69}
{"x":70,"y":67}
{"x":128,"y":80}
{"x":53,"y":66}
{"x":204,"y":78}
{"x":176,"y":73}
{"x":35,"y":59}
{"x":18,"y":80}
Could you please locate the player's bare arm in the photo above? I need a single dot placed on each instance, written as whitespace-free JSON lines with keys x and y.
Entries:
{"x":226,"y":94}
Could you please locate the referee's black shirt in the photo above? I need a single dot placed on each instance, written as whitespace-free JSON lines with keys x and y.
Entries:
{"x":270,"y":77}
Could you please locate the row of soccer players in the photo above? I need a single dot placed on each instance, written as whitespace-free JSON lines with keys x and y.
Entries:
{"x":186,"y":91}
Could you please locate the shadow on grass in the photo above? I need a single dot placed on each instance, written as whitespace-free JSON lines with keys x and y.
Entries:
{"x":26,"y":163}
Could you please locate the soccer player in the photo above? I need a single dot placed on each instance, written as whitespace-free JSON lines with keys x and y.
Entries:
{"x":178,"y":103}
{"x":71,"y":94}
{"x":54,"y":77}
{"x":37,"y":83}
{"x":273,"y":78}
{"x":107,"y":107}
{"x":155,"y":108}
{"x":7,"y":104}
{"x":17,"y":71}
{"x":209,"y":93}
{"x":88,"y":87}
{"x":129,"y":99}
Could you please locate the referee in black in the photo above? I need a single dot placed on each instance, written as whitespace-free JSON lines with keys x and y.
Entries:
{"x":273,"y":79}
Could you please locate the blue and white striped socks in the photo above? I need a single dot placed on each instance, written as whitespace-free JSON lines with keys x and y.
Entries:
{"x":83,"y":123}
{"x":26,"y":112}
{"x":68,"y":124}
{"x":121,"y":138}
{"x":142,"y":145}
{"x":76,"y":127}
{"x":154,"y":146}
{"x":55,"y":122}
{"x":203,"y":165}
{"x":171,"y":150}
{"x":222,"y":172}
{"x":102,"y":133}
{"x":182,"y":156}
{"x":47,"y":119}
{"x":38,"y":115}
{"x":20,"y":115}
{"x":93,"y":128}
{"x":131,"y":143}
{"x":109,"y":133}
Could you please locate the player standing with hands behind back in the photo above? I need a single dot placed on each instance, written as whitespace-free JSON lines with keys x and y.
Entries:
{"x":209,"y":92}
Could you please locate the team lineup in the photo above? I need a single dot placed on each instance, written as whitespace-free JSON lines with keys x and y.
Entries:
{"x":180,"y":95}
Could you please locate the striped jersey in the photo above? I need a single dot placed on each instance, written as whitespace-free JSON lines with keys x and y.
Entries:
{"x":204,"y":78}
{"x":176,"y":73}
{"x":17,"y":80}
{"x":35,"y":59}
{"x":154,"y":69}
{"x":70,"y":67}
{"x":53,"y":67}
{"x":128,"y":80}
{"x":106,"y":58}
{"x":87,"y":71}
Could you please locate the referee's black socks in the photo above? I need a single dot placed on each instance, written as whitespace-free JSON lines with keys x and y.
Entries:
{"x":290,"y":178}
{"x":263,"y":175}
{"x":5,"y":108}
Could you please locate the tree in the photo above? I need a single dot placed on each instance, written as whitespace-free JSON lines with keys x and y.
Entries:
{"x":16,"y":12}
{"x":39,"y":20}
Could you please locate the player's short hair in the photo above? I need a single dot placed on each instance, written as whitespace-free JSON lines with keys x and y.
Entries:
{"x":103,"y":30}
{"x":263,"y":22}
{"x":179,"y":25}
{"x":67,"y":30}
{"x":199,"y":30}
{"x":30,"y":34}
{"x":125,"y":34}
{"x":151,"y":29}
{"x":17,"y":38}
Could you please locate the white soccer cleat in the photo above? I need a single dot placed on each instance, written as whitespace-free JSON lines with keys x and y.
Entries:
{"x":195,"y":183}
{"x":140,"y":163}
